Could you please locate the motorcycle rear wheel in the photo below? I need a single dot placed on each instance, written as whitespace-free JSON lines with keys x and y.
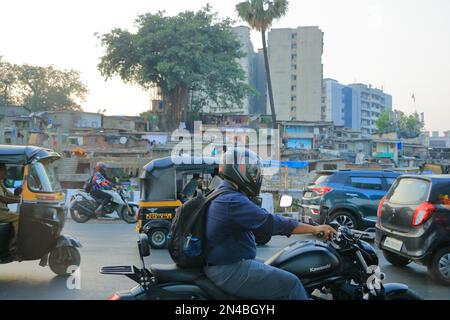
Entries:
{"x":77,"y":216}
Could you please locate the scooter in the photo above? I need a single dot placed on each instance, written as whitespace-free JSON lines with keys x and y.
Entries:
{"x":82,"y":206}
{"x":342,"y":268}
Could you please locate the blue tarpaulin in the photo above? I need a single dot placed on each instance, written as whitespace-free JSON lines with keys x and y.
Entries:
{"x":289,"y":164}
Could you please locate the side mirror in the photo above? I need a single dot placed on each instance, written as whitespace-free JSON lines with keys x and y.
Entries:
{"x":286,"y":201}
{"x":143,"y":245}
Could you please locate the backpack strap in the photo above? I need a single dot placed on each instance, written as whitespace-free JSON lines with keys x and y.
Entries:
{"x":214,"y":194}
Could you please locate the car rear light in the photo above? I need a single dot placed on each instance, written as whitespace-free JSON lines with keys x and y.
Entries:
{"x":321,"y":190}
{"x":380,"y":206}
{"x":115,"y":296}
{"x":315,"y":211}
{"x":422,"y":213}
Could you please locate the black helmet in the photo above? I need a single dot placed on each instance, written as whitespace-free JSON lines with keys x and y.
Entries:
{"x":243,"y":167}
{"x":101,"y":167}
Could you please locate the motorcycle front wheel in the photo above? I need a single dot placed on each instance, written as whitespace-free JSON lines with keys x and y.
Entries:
{"x":129,"y":215}
{"x":404,"y":295}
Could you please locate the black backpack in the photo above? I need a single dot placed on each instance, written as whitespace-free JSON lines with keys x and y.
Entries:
{"x":186,"y":239}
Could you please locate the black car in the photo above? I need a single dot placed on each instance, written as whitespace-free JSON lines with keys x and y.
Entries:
{"x":414,"y":224}
{"x":348,"y":197}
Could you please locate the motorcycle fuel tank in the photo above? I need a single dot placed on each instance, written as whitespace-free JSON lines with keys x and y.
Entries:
{"x":309,"y":260}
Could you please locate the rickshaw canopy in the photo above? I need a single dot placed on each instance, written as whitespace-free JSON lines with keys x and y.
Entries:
{"x":23,"y":155}
{"x":180,"y":163}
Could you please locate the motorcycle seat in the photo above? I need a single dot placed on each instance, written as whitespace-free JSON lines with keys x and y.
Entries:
{"x":173,"y":273}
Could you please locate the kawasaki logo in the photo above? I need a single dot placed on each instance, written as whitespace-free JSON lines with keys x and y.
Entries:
{"x":328,"y":266}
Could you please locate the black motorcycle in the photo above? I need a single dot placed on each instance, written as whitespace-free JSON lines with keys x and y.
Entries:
{"x":342,"y":268}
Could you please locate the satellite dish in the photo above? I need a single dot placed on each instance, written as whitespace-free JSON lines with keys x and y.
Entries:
{"x":123,"y":140}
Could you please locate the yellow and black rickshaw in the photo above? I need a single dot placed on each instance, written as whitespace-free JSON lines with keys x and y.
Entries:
{"x":165,"y":185}
{"x":30,"y":171}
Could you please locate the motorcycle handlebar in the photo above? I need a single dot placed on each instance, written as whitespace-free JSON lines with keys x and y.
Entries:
{"x":341,"y":233}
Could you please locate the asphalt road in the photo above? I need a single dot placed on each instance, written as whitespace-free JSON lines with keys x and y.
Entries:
{"x":114,"y":243}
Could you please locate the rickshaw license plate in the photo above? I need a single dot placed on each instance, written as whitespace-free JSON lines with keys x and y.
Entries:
{"x":158,"y":216}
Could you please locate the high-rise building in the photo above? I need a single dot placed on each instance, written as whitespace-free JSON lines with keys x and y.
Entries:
{"x":367,"y":105}
{"x":356,"y":106}
{"x":295,"y":58}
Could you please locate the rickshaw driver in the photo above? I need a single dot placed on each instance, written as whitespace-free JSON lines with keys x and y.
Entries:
{"x":6,"y":198}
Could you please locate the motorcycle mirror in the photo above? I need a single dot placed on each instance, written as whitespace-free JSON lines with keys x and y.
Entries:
{"x":143,"y":245}
{"x":286,"y":201}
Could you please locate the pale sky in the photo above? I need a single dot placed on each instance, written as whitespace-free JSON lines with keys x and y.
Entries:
{"x":400,"y":45}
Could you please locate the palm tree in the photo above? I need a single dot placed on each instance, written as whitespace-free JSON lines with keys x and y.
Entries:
{"x":260,"y":14}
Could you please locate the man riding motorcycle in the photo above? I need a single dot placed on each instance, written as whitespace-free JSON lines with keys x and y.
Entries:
{"x":230,"y":243}
{"x":100,"y":182}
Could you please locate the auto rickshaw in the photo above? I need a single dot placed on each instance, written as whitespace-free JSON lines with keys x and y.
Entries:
{"x":165,"y":185}
{"x":41,"y":211}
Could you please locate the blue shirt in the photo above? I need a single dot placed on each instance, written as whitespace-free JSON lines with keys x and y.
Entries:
{"x":231,"y":220}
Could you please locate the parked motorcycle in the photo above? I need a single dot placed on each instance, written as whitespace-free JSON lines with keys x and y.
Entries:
{"x":82,"y":206}
{"x":342,"y":268}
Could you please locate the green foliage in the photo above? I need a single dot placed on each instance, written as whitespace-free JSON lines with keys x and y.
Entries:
{"x":260,"y":14}
{"x":41,"y":88}
{"x":192,"y":52}
{"x":398,"y":121}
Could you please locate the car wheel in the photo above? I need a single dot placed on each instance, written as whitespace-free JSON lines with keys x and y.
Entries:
{"x":158,"y":238}
{"x":395,"y":259}
{"x":344,"y":218}
{"x":440,"y":266}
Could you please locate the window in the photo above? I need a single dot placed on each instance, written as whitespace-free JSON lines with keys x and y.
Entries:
{"x":366,"y":183}
{"x":293,"y":88}
{"x":294,"y":98}
{"x":294,"y":67}
{"x":293,"y":36}
{"x":293,"y":57}
{"x":43,"y":178}
{"x":409,"y":191}
{"x":294,"y":77}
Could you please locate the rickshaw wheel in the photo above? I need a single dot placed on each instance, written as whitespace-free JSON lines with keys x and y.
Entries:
{"x":60,"y":259}
{"x":158,"y":238}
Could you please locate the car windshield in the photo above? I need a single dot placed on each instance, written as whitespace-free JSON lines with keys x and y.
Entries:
{"x":43,"y":178}
{"x":409,"y":191}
